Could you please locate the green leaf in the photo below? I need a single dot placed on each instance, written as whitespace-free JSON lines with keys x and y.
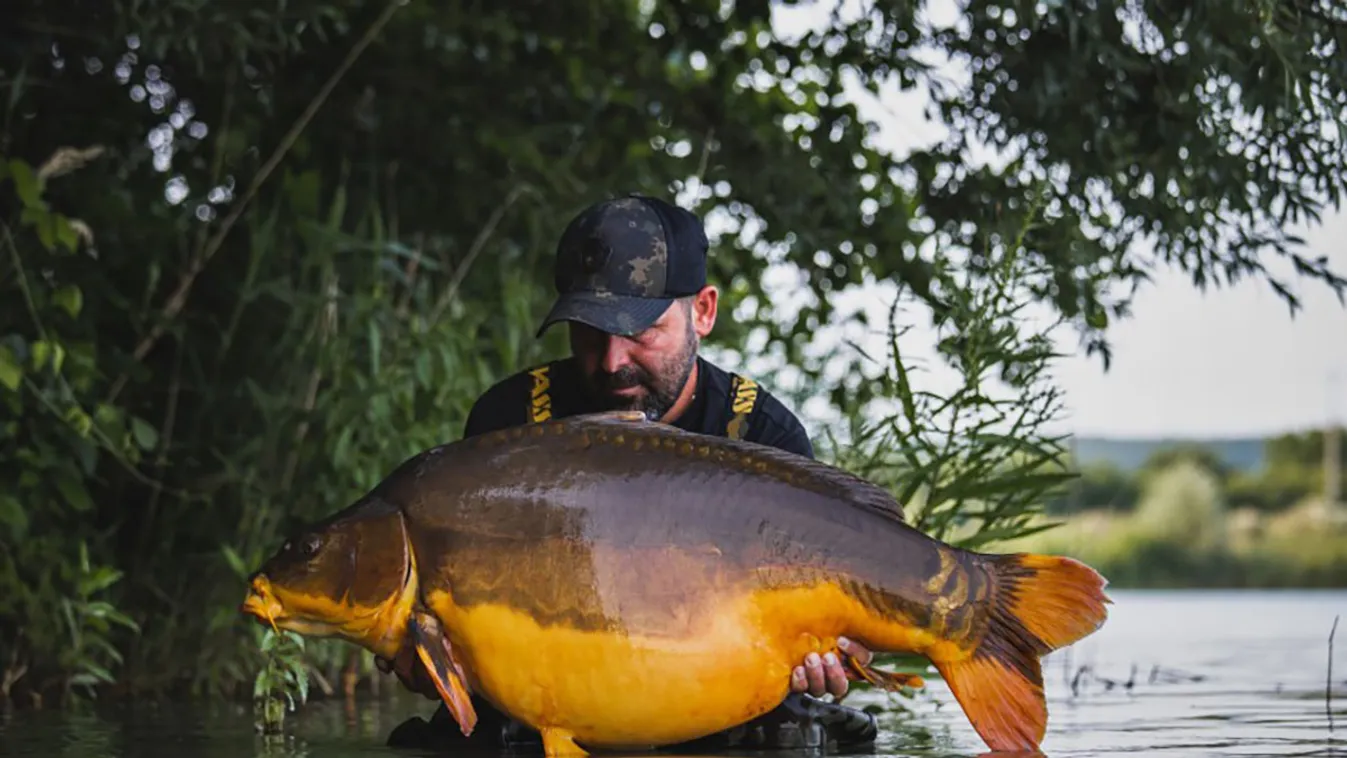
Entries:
{"x":998,"y":533}
{"x":235,"y":561}
{"x":13,"y":515}
{"x":145,"y":435}
{"x":102,"y":674}
{"x":117,"y":617}
{"x":97,"y":609}
{"x":422,"y":365}
{"x":374,"y":349}
{"x":303,"y":686}
{"x":975,"y":489}
{"x":70,"y":298}
{"x":98,"y":581}
{"x":77,"y":418}
{"x":26,"y":185}
{"x":342,"y":448}
{"x":43,"y":223}
{"x":11,"y":373}
{"x":84,"y":680}
{"x":303,"y":193}
{"x":44,"y":351}
{"x":74,"y":493}
{"x":107,"y":647}
{"x":65,"y":233}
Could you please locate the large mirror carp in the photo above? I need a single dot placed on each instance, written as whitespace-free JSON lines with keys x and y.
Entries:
{"x":621,"y":584}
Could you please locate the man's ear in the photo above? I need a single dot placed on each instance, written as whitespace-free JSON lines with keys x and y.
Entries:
{"x":704,"y":305}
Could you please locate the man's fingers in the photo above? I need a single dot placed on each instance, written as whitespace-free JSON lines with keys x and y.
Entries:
{"x":826,"y":674}
{"x":856,"y":650}
{"x":813,"y":669}
{"x":834,"y":676}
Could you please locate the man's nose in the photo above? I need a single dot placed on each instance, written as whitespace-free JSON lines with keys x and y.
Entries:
{"x":616,"y":353}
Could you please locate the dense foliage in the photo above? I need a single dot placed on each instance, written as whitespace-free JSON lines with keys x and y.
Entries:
{"x":254,"y":254}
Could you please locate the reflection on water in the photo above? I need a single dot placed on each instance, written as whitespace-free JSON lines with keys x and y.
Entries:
{"x":1171,"y":674}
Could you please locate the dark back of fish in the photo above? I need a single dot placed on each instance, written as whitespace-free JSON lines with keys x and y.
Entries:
{"x":610,"y":524}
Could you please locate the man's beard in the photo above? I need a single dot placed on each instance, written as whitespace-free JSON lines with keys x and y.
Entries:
{"x":661,"y":389}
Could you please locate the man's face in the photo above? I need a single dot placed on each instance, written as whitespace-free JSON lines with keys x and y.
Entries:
{"x":647,"y":370}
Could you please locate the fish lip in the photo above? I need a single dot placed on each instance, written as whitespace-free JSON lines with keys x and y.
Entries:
{"x":261,"y":603}
{"x":261,"y":607}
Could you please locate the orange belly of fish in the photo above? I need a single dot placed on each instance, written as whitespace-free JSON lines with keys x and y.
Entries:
{"x":608,"y":690}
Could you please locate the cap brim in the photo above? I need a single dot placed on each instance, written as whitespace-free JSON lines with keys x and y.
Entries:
{"x":615,"y":314}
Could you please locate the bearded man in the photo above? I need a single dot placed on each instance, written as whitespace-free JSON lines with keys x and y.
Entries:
{"x":630,"y":275}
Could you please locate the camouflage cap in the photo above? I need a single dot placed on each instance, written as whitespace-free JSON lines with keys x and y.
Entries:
{"x":621,"y":263}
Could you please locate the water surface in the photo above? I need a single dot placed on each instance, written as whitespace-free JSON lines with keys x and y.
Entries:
{"x":1184,"y":673}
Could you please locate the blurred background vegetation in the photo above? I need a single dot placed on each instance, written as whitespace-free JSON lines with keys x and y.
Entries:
{"x":1201,"y":514}
{"x":255,"y":253}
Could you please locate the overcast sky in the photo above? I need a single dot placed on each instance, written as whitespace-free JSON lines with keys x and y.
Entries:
{"x":1228,"y":362}
{"x":1222,"y":363}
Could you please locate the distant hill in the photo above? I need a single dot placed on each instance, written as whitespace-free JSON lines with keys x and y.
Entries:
{"x":1244,"y":454}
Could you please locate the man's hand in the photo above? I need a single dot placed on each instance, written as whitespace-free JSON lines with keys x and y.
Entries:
{"x":827,"y":673}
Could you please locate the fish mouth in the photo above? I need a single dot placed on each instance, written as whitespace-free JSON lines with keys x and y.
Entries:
{"x":261,"y":603}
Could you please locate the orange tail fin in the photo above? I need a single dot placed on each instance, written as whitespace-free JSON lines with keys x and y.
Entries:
{"x":1041,"y":603}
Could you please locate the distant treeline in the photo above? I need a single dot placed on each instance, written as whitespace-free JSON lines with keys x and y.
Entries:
{"x":1130,"y":454}
{"x":1187,"y":518}
{"x":1267,"y":475}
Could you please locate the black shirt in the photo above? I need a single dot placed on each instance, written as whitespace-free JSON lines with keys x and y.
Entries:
{"x":554,"y":390}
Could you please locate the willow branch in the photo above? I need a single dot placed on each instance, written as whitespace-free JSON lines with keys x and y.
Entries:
{"x":478,"y":244}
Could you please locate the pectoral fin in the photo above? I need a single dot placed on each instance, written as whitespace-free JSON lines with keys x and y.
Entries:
{"x":438,"y":658}
{"x":559,"y":743}
{"x":885,"y":680}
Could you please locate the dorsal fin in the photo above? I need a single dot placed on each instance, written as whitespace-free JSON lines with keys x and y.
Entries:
{"x":817,"y":475}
